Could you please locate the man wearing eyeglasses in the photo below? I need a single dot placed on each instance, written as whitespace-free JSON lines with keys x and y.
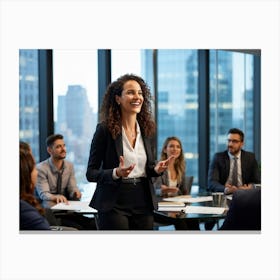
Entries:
{"x":234,"y":168}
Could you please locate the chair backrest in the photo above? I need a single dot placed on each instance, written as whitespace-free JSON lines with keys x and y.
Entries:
{"x":49,"y":215}
{"x":189,"y":182}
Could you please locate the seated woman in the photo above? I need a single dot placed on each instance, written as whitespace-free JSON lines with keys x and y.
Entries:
{"x":173,"y":181}
{"x":31,"y":213}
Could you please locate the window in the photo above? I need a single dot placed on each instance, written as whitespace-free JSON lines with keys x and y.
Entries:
{"x":29,"y":99}
{"x":231,"y":97}
{"x":76,"y":103}
{"x":177,"y":102}
{"x":175,"y":78}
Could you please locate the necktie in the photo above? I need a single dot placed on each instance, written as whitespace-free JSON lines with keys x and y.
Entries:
{"x":234,"y":181}
{"x":58,"y":183}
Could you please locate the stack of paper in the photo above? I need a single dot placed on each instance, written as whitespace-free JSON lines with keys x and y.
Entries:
{"x":204,"y":210}
{"x":171,"y":203}
{"x":170,"y":206}
{"x":189,"y":199}
{"x":79,"y":206}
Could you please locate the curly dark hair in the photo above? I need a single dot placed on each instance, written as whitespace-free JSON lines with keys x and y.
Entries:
{"x":27,"y":164}
{"x":111,"y":113}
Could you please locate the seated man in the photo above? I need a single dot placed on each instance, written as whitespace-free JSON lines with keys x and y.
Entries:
{"x":234,"y":168}
{"x":245,"y":211}
{"x":56,"y":180}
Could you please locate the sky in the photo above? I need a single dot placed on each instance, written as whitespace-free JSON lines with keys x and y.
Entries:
{"x":79,"y":67}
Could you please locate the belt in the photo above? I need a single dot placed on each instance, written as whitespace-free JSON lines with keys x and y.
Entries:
{"x":132,"y":180}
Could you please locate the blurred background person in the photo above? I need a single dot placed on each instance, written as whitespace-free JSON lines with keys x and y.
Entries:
{"x":25,"y":147}
{"x":245,"y":211}
{"x":222,"y":176}
{"x":31,"y":212}
{"x":57,"y":183}
{"x":232,"y":169}
{"x":173,"y":180}
{"x":56,"y":177}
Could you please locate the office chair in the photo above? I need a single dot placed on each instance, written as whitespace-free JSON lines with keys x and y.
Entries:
{"x":189,"y":183}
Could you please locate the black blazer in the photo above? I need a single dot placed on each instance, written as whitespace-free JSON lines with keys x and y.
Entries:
{"x":104,"y":157}
{"x":220,"y":166}
{"x":245,"y":211}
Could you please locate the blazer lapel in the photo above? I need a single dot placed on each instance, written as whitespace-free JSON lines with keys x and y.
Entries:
{"x":147,"y":145}
{"x":118,"y":145}
{"x":227,"y":163}
{"x":243,"y":165}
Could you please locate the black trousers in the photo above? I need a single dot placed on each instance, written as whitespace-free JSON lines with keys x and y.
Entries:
{"x":133,"y":209}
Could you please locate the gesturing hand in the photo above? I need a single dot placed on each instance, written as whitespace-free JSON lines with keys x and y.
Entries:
{"x":123,"y":171}
{"x":163,"y":165}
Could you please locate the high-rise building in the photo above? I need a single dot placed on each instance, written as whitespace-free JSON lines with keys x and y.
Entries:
{"x":76,"y":121}
{"x":29,"y":99}
{"x":231,"y":98}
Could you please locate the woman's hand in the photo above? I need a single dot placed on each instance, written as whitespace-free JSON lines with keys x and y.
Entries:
{"x":123,"y":171}
{"x":163,"y":165}
{"x":168,"y":191}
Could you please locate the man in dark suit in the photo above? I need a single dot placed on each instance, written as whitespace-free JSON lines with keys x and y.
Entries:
{"x":245,"y":211}
{"x":221,"y":170}
{"x":233,"y":169}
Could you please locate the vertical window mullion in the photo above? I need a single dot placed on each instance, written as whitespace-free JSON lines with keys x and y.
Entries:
{"x":46,"y":119}
{"x":203,"y":117}
{"x":104,"y":73}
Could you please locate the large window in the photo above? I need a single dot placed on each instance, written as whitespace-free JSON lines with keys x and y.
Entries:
{"x":177,"y":102}
{"x":197,"y":94}
{"x":29,"y":99}
{"x":231,"y":97}
{"x":75,"y":85}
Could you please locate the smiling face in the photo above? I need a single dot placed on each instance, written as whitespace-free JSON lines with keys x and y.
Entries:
{"x":58,"y":150}
{"x":173,"y":148}
{"x":131,"y":99}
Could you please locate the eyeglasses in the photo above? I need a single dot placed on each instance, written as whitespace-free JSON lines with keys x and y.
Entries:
{"x":233,"y":141}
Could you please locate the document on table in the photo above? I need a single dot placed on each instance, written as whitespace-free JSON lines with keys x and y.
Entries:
{"x":189,"y":199}
{"x":171,"y":209}
{"x":171,"y":206}
{"x":79,"y":206}
{"x":204,"y":210}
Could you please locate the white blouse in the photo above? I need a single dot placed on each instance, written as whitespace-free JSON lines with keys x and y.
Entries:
{"x":135,"y":155}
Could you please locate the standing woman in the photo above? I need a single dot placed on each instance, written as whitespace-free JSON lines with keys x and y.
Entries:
{"x":173,"y":181}
{"x":122,"y":157}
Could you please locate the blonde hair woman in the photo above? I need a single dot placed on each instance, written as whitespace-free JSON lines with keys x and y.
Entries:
{"x":173,"y":180}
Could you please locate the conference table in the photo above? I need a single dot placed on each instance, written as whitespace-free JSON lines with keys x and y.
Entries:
{"x":200,"y":208}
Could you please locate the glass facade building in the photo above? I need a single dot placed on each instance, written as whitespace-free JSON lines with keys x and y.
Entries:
{"x":29,"y":99}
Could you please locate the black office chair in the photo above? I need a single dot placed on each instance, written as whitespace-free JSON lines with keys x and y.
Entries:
{"x":189,"y":183}
{"x":55,"y":223}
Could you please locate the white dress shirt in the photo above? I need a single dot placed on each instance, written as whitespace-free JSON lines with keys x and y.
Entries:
{"x":136,"y":155}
